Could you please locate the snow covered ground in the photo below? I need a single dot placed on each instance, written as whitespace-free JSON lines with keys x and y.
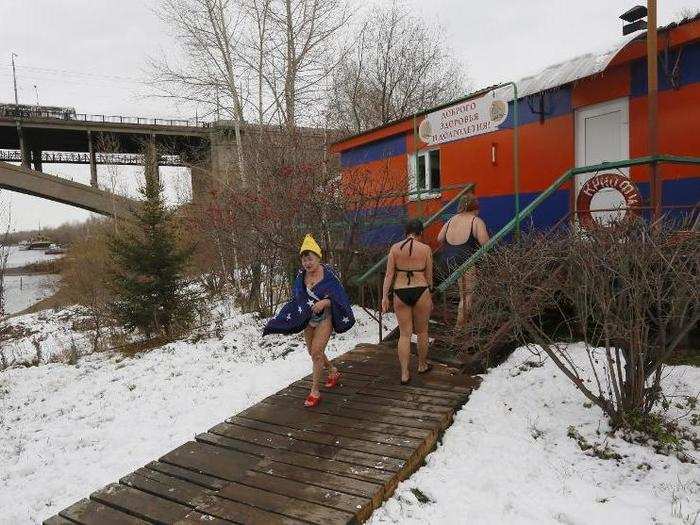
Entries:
{"x":507,"y":459}
{"x":66,"y":431}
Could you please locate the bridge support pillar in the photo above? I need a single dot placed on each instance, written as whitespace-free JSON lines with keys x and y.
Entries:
{"x":151,"y":159}
{"x":24,"y":148}
{"x":93,"y":161}
{"x":36,"y":158}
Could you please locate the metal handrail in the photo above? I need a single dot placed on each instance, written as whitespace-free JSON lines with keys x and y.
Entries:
{"x":378,"y":265}
{"x":527,"y":211}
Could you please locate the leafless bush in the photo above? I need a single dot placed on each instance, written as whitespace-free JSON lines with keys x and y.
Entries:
{"x":85,"y":269}
{"x":630,"y":291}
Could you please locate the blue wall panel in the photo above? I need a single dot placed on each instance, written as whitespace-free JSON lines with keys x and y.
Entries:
{"x":689,"y":68}
{"x":377,"y":150}
{"x":557,"y":102}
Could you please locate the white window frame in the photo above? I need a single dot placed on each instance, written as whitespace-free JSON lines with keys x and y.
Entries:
{"x":429,"y":193}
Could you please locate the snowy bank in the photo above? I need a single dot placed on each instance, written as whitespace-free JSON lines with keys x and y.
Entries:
{"x":507,"y":459}
{"x":66,"y":431}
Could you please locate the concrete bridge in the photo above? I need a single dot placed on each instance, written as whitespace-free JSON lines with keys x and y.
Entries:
{"x":32,"y":137}
{"x":38,"y":137}
{"x":32,"y":182}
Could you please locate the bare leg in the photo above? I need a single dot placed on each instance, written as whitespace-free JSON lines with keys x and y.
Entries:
{"x":421,"y":318}
{"x":318,"y":346}
{"x":469,"y":280}
{"x":460,"y":309}
{"x":405,"y":320}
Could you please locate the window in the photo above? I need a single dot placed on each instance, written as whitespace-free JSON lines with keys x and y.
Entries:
{"x":424,"y":174}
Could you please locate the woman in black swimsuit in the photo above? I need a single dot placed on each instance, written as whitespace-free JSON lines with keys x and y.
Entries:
{"x":462,"y":236}
{"x":409,"y":274}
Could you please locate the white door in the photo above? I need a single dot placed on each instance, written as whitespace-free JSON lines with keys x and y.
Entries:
{"x":602,"y":134}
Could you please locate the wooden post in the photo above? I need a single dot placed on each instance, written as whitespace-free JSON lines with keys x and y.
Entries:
{"x":653,"y":107}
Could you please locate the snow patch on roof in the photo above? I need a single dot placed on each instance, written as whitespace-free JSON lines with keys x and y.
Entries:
{"x":565,"y":72}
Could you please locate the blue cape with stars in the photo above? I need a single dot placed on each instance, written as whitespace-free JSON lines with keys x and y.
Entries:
{"x":295,"y":315}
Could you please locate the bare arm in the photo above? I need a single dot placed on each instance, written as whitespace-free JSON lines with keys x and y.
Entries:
{"x":389,"y":277}
{"x":482,"y":234}
{"x":429,"y":268}
{"x":443,"y":233}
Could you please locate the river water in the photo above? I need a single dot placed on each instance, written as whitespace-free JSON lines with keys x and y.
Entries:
{"x":22,"y":291}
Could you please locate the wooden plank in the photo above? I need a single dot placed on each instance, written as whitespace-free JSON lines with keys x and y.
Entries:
{"x":58,"y":520}
{"x":327,"y":438}
{"x":327,"y":480}
{"x":86,"y":512}
{"x":167,"y":487}
{"x":359,"y":402}
{"x":377,"y":391}
{"x":367,"y":396}
{"x":210,"y":460}
{"x":302,"y":460}
{"x":391,"y":371}
{"x":370,"y":413}
{"x":394,"y":384}
{"x":140,"y":504}
{"x":245,"y":514}
{"x":350,"y":420}
{"x":197,"y":518}
{"x":285,"y":442}
{"x":203,"y":480}
{"x":281,"y":504}
{"x":361,"y":508}
{"x":303,"y":419}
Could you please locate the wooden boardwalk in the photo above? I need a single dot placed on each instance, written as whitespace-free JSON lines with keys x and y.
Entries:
{"x":280,"y":463}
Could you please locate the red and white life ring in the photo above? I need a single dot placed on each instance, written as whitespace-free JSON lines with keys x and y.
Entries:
{"x":633,"y":199}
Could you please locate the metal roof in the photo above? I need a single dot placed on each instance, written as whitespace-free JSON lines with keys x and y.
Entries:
{"x":571,"y":70}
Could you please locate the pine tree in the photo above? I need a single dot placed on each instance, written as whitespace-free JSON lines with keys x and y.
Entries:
{"x":148,"y":281}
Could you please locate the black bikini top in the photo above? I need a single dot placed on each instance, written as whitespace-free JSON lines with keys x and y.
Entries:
{"x":409,"y":273}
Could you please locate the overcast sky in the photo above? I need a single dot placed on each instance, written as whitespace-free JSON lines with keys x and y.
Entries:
{"x":90,"y":54}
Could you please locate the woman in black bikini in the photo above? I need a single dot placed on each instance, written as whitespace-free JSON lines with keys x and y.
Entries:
{"x":409,"y":273}
{"x":462,"y":236}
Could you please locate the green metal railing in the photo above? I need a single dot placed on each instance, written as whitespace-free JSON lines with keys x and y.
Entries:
{"x":514,"y":223}
{"x":359,"y":280}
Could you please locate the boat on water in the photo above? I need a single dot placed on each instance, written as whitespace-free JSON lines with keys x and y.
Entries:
{"x":39,"y":243}
{"x":55,"y":249}
{"x":23,"y":245}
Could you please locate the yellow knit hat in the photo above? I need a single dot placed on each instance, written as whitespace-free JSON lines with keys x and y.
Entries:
{"x":310,"y":245}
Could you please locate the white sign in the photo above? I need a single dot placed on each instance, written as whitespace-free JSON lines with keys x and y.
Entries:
{"x":466,"y":119}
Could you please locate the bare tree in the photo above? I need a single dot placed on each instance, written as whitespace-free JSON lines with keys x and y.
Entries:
{"x":210,"y":70}
{"x":5,"y":217}
{"x":399,"y":65}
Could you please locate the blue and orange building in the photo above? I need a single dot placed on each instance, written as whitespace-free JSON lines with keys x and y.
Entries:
{"x":578,"y":113}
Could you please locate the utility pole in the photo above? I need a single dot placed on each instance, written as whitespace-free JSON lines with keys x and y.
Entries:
{"x":36,"y":92}
{"x":14,"y":77}
{"x":653,"y":106}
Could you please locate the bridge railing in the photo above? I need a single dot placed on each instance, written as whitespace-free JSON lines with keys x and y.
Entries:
{"x":72,"y":157}
{"x":28,"y":112}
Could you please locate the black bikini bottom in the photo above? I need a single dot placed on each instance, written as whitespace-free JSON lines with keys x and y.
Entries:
{"x":410,"y":296}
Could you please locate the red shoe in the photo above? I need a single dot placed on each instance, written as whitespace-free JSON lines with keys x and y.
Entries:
{"x":312,"y":401}
{"x":332,"y":380}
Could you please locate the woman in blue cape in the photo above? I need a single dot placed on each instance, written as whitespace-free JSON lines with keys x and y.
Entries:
{"x":319,"y":305}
